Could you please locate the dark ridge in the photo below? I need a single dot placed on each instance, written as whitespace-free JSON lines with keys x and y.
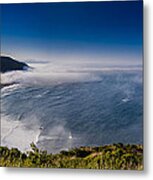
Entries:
{"x":9,"y":64}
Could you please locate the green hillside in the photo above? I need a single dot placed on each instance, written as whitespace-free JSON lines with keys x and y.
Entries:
{"x":117,"y":156}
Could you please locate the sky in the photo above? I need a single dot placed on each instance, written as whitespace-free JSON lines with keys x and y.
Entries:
{"x":85,"y":31}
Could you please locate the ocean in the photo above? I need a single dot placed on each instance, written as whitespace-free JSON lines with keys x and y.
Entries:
{"x":59,"y":108}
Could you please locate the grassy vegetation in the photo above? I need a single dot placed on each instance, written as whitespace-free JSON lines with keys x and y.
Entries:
{"x":117,"y":156}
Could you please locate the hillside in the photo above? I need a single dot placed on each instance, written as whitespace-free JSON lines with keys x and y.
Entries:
{"x":117,"y":156}
{"x":10,"y":64}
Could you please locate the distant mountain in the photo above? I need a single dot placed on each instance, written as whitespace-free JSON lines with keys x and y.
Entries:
{"x":9,"y":64}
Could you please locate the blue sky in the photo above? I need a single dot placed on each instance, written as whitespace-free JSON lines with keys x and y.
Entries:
{"x":89,"y":30}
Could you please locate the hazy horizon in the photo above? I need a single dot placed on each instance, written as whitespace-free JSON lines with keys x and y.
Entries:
{"x":107,"y":32}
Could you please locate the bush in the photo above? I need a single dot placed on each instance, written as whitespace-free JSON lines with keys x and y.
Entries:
{"x":116,"y":156}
